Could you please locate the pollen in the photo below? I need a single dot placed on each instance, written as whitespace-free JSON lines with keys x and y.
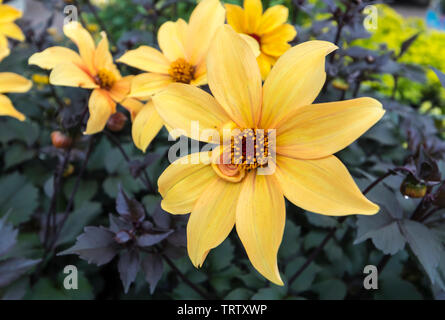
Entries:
{"x":105,"y":79}
{"x":250,"y":149}
{"x":182,"y":71}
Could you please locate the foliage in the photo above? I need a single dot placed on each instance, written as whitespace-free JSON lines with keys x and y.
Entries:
{"x":97,"y":202}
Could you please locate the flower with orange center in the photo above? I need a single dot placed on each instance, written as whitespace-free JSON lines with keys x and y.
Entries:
{"x":11,"y":82}
{"x":8,"y":29}
{"x":238,"y":192}
{"x":91,"y":68}
{"x":269,"y":29}
{"x":184,"y":48}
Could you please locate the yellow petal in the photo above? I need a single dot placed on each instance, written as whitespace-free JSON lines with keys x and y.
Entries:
{"x":147,"y":59}
{"x":71,"y":75}
{"x":49,"y":58}
{"x":322,"y":186}
{"x":265,"y":64}
{"x":133,"y":106}
{"x":260,"y":219}
{"x":204,"y":21}
{"x":146,"y":126}
{"x":171,"y":38}
{"x":319,"y":130}
{"x":83,"y":41}
{"x":11,"y":30}
{"x":4,"y":52}
{"x":8,"y":13}
{"x":254,"y":45}
{"x":295,"y":80}
{"x":183,"y":182}
{"x":102,"y":56}
{"x":7,"y":109}
{"x":272,"y":18}
{"x":234,"y":77}
{"x":147,"y":84}
{"x":253,"y":9}
{"x":11,"y":82}
{"x":121,"y":88}
{"x":212,"y":219}
{"x":275,"y":43}
{"x":235,"y":17}
{"x":101,"y":107}
{"x":179,"y":105}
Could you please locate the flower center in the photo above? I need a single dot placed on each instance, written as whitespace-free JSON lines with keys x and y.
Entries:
{"x":249,"y":150}
{"x":181,"y":71}
{"x":256,"y":37}
{"x":105,"y":79}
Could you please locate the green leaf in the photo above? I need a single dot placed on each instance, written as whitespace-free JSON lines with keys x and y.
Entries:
{"x":332,"y":289}
{"x":291,"y":241}
{"x":320,"y":220}
{"x":86,"y":191}
{"x":17,"y":154}
{"x":19,"y":196}
{"x":239,"y":294}
{"x":221,"y":257}
{"x":269,"y":294}
{"x":393,"y":288}
{"x":305,"y":280}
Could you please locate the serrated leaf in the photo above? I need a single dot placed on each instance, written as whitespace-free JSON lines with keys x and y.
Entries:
{"x":128,"y":267}
{"x":153,"y":268}
{"x":426,"y":246}
{"x":8,"y":236}
{"x":150,"y":239}
{"x":239,"y":294}
{"x":96,"y":245}
{"x":332,"y":289}
{"x":11,"y":269}
{"x":129,"y":209}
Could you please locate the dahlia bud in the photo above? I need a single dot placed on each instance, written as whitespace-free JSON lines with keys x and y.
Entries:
{"x":412,"y":189}
{"x":61,"y":140}
{"x":117,"y":122}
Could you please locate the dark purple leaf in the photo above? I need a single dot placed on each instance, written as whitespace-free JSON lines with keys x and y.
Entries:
{"x":128,"y":267}
{"x":96,"y":245}
{"x":8,"y":236}
{"x":150,"y":239}
{"x":130,"y":209}
{"x":11,"y":269}
{"x":161,"y":218}
{"x":407,"y":44}
{"x":153,"y":268}
{"x":117,"y":224}
{"x":174,"y":252}
{"x":440,"y":75}
{"x":178,"y":238}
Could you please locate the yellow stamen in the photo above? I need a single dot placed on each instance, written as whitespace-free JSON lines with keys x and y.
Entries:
{"x":182,"y":71}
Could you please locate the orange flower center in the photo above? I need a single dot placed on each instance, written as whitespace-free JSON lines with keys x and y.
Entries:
{"x":249,"y":150}
{"x":105,"y":79}
{"x":181,"y":71}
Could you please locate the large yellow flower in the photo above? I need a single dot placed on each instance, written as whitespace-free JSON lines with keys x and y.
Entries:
{"x":11,"y":82}
{"x":92,"y":68}
{"x":184,"y":48}
{"x":269,"y":29}
{"x":307,"y":173}
{"x":8,"y":29}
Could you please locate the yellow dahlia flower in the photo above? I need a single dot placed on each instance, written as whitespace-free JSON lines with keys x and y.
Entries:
{"x":269,"y":29}
{"x":8,"y":29}
{"x":184,"y":48}
{"x":221,"y":196}
{"x":91,"y":68}
{"x":11,"y":82}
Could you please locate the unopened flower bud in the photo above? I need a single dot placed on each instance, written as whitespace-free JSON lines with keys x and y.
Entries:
{"x":61,"y":140}
{"x":412,"y":189}
{"x":117,"y":122}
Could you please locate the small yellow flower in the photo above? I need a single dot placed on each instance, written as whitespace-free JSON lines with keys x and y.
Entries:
{"x":93,"y":27}
{"x":11,"y":82}
{"x":269,"y":29}
{"x":221,"y":196}
{"x":8,"y":29}
{"x":92,"y":68}
{"x":41,"y":79}
{"x":184,"y":48}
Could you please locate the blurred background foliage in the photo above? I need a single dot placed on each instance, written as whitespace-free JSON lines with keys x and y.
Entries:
{"x":100,"y":191}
